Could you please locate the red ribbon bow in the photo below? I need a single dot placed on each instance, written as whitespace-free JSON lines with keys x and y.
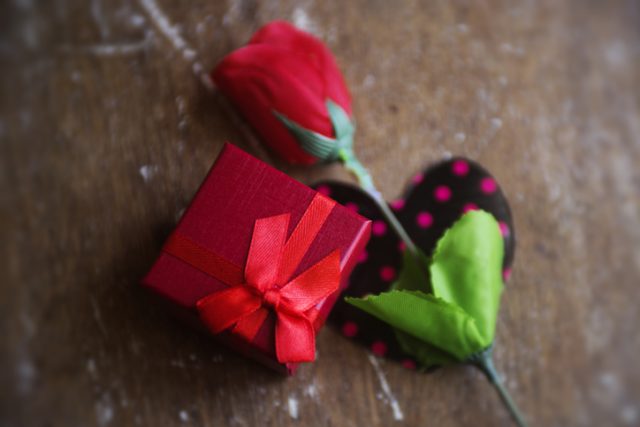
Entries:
{"x":266,"y":284}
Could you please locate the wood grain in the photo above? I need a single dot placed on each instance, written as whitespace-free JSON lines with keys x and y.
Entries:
{"x":107,"y":132}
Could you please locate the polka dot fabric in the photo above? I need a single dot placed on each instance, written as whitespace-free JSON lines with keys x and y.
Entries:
{"x":435,"y":199}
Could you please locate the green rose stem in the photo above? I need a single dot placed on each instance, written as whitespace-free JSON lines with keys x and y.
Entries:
{"x":353,"y":165}
{"x":341,"y":148}
{"x":484,"y":362}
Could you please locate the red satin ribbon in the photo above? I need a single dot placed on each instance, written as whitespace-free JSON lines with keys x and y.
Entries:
{"x":266,"y":284}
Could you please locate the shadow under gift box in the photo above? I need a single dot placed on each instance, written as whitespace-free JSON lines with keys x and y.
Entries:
{"x":238,"y":190}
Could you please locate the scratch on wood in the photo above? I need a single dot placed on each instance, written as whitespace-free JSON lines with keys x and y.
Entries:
{"x":395,"y":406}
{"x":98,"y":16}
{"x":111,"y":49}
{"x":97,"y":316}
{"x":161,"y":21}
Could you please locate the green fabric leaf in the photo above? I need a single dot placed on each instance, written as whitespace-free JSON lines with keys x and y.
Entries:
{"x":466,"y":269}
{"x":426,"y":354}
{"x":413,"y":274}
{"x":427,"y":318}
{"x":414,"y":277}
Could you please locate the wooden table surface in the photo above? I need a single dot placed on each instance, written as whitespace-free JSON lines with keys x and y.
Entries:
{"x":107,"y":132}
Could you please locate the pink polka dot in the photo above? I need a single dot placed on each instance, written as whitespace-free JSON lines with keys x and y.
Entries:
{"x":469,"y":207}
{"x":488,"y":185}
{"x":506,"y":274}
{"x":460,"y":168}
{"x":409,"y":364}
{"x":363,"y":256}
{"x":397,"y":205}
{"x":402,"y":246}
{"x":442,"y":193}
{"x":379,"y":348}
{"x":379,"y":228}
{"x":351,"y":206}
{"x":387,"y":273}
{"x":417,"y":179}
{"x":324,"y":190}
{"x":504,"y":229}
{"x":349,"y":329}
{"x":424,"y":220}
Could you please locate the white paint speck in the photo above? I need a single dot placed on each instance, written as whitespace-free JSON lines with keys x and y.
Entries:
{"x":616,"y":54}
{"x":104,"y":410}
{"x":184,"y":119}
{"x":301,"y":20}
{"x":232,"y":13}
{"x":184,"y":416}
{"x":395,"y":406}
{"x":369,"y":81}
{"x":91,"y":367}
{"x":311,"y":391}
{"x":460,"y":137}
{"x":136,"y":21}
{"x":496,"y":123}
{"x":26,"y":373}
{"x":147,"y":172}
{"x":463,"y":28}
{"x":508,"y":48}
{"x":30,"y":32}
{"x":189,"y":54}
{"x":629,"y":415}
{"x":609,"y":381}
{"x":292,"y":404}
{"x":404,"y":141}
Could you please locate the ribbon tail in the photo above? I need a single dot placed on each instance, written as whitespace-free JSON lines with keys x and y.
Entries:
{"x":221,"y":310}
{"x":295,"y":339}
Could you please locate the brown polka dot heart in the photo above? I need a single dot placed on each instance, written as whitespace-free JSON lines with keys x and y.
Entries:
{"x":435,"y":199}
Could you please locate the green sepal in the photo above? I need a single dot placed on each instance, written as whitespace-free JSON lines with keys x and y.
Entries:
{"x":427,"y":318}
{"x":466,"y":269}
{"x":343,"y":127}
{"x":318,"y":145}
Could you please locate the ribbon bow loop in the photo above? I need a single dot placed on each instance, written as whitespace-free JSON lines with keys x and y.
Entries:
{"x":271,"y":261}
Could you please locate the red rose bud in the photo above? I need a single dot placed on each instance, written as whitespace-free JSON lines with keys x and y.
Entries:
{"x":287,"y":85}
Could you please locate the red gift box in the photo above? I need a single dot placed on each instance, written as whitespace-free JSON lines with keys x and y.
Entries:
{"x":260,"y":258}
